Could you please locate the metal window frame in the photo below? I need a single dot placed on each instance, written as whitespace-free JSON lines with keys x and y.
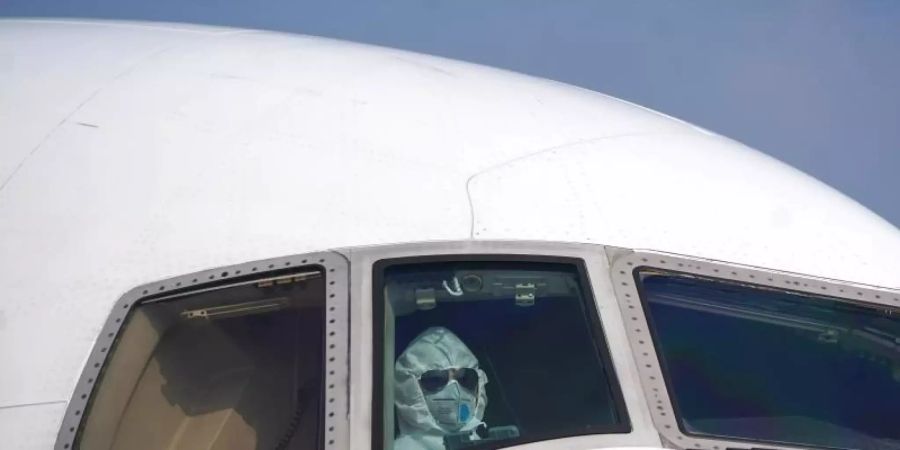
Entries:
{"x":349,"y":376}
{"x":595,"y":329}
{"x":624,"y":266}
{"x":336,"y":271}
{"x":596,"y":265}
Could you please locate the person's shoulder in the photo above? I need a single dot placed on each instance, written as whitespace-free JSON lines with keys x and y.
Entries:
{"x":411,"y":442}
{"x":419,"y":442}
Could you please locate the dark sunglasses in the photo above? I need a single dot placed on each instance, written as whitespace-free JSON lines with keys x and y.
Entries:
{"x":434,"y":380}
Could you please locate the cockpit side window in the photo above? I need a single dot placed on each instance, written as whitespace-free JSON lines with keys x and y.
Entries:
{"x":745,"y":362}
{"x":236,"y":366}
{"x":488,"y":352}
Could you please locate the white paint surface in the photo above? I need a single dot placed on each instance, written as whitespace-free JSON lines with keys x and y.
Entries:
{"x":134,"y":152}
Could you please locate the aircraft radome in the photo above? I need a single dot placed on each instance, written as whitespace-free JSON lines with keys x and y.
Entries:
{"x":216,"y":238}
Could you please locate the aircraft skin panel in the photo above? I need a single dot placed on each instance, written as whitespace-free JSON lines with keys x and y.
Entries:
{"x":137,"y":152}
{"x":630,"y":191}
{"x":31,"y":426}
{"x":151,"y":165}
{"x":133,"y":76}
{"x":42,"y":100}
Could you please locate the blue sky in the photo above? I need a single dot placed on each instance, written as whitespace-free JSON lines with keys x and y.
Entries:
{"x":813,"y":83}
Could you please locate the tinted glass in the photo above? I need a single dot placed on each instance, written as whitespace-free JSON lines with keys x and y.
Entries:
{"x":238,"y":367}
{"x":489,"y":354}
{"x":768,"y":365}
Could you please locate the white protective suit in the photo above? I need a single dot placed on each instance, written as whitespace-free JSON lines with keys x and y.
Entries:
{"x":422,"y":419}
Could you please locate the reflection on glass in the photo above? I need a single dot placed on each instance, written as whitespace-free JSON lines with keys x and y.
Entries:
{"x":767,"y":365}
{"x":232,"y":368}
{"x":489,"y":354}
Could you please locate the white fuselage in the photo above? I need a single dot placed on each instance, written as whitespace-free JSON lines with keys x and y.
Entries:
{"x":134,"y":152}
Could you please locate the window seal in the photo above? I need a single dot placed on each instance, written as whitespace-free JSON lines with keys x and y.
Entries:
{"x":596,"y":329}
{"x":664,"y":412}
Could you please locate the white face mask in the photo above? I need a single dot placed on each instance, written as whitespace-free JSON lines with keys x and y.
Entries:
{"x":452,"y":407}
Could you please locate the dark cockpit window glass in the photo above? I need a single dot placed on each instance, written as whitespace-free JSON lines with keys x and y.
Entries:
{"x":234,"y":367}
{"x":760,"y":364}
{"x":488,"y":354}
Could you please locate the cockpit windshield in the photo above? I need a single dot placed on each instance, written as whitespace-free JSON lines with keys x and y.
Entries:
{"x":759,"y":364}
{"x":488,"y":354}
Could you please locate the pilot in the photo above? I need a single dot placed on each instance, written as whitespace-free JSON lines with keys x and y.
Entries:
{"x":439,"y":390}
